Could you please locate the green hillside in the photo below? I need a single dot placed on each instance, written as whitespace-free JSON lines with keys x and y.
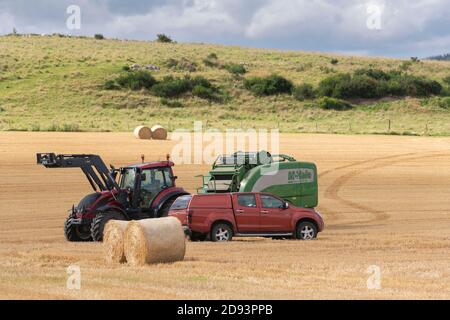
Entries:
{"x":53,"y":83}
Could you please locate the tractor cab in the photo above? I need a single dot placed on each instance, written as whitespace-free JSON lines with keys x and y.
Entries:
{"x":144,"y":182}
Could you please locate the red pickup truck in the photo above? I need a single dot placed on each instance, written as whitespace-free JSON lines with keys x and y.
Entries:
{"x":222,"y":216}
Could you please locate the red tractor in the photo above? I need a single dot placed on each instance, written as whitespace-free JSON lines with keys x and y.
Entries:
{"x":140,"y":191}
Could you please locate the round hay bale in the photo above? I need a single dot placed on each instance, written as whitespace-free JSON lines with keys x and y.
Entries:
{"x":113,"y":240}
{"x":159,"y":240}
{"x":142,"y":132}
{"x":159,"y":133}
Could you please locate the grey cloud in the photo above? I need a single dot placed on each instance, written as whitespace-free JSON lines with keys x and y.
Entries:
{"x":415,"y":27}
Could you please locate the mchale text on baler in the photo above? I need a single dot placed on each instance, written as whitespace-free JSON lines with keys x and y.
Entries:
{"x":142,"y":191}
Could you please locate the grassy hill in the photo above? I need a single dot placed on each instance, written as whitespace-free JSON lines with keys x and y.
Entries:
{"x":51,"y":83}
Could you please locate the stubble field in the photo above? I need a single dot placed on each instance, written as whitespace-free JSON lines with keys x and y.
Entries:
{"x":385,"y":201}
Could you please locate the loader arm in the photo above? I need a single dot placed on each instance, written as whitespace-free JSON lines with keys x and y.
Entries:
{"x":97,"y":173}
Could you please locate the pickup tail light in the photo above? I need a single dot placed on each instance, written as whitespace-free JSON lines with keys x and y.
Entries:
{"x":190,"y":212}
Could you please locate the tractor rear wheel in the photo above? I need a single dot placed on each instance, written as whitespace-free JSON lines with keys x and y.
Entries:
{"x":76,"y":232}
{"x":99,"y":222}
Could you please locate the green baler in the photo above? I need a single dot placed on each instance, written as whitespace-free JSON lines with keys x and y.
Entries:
{"x":280,"y":175}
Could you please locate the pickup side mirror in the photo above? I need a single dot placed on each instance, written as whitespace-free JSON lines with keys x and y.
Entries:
{"x":285,"y":206}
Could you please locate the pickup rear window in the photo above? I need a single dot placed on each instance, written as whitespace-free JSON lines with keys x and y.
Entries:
{"x":181,"y":203}
{"x":218,"y":201}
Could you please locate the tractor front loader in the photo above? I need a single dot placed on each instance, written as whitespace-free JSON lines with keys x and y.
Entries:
{"x":142,"y":191}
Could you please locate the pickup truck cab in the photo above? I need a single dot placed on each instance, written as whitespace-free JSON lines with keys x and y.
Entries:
{"x":224,"y":216}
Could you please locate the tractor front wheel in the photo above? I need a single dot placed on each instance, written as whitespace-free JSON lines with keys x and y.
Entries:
{"x":99,"y":222}
{"x":76,"y":232}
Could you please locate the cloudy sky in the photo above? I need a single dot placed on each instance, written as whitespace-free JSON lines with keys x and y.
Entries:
{"x":398,"y":28}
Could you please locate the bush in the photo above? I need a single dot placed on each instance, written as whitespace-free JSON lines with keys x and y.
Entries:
{"x":110,"y":85}
{"x":360,"y":87}
{"x":372,"y":83}
{"x":135,"y":80}
{"x":303,"y":92}
{"x":425,"y":87}
{"x":212,"y":56}
{"x":200,"y":81}
{"x":235,"y":69}
{"x":327,"y":86}
{"x":407,"y":85}
{"x":334,"y":61}
{"x":328,"y":103}
{"x":126,"y":68}
{"x":373,"y":73}
{"x":445,"y":92}
{"x":211,"y":60}
{"x":171,"y":87}
{"x":163,"y":38}
{"x":99,"y":36}
{"x":204,"y":93}
{"x":268,"y":86}
{"x":444,"y":103}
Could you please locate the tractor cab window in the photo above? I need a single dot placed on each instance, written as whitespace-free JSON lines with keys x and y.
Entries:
{"x":127,"y":179}
{"x":152,"y":182}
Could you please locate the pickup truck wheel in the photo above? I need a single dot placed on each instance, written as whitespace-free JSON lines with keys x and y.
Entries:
{"x":221,"y":233}
{"x":306,"y":231}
